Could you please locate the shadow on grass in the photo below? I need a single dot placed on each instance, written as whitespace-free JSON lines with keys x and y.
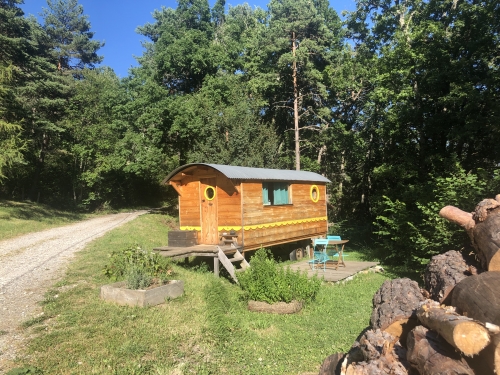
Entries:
{"x":368,"y":254}
{"x":34,"y":211}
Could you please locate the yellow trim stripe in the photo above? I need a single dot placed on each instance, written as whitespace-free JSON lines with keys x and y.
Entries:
{"x":262,"y":226}
{"x":191,"y":228}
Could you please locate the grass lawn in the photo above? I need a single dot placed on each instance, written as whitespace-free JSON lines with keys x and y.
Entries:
{"x":206,"y":331}
{"x":17,"y":218}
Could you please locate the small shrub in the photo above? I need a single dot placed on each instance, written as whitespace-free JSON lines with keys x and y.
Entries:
{"x":270,"y":282}
{"x":137,"y":278}
{"x":134,"y":256}
{"x":139,"y":267}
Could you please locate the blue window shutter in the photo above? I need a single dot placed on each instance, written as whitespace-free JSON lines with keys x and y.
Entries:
{"x":265,"y":193}
{"x":280,"y":193}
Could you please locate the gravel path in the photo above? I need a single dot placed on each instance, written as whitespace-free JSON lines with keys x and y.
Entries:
{"x":31,"y":264}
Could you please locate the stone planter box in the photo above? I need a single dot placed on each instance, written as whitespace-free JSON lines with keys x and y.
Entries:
{"x":118,"y":293}
{"x":275,"y":308}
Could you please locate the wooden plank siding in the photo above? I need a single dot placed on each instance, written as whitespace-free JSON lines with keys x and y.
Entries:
{"x":279,"y":229}
{"x":189,"y":205}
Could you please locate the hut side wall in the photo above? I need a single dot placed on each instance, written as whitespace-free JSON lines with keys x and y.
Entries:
{"x":271,"y":225}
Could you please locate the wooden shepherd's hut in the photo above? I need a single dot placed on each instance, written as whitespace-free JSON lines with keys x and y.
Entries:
{"x":253,"y":207}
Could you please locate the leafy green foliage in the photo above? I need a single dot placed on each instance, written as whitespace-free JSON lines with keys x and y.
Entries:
{"x":268,"y":281}
{"x":69,"y":32}
{"x":137,"y":264}
{"x":412,"y":234}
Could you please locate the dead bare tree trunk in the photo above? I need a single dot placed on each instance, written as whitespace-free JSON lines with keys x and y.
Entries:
{"x":295,"y":104}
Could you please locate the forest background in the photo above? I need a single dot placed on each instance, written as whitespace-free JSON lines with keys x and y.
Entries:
{"x":398,"y":106}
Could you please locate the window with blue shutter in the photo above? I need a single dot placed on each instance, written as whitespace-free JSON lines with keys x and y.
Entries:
{"x":275,"y":193}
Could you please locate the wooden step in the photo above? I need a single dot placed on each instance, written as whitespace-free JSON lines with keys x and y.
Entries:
{"x":238,"y":257}
{"x":243,"y":266}
{"x":228,"y":262}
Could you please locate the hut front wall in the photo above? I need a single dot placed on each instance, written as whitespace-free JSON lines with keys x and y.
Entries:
{"x":228,"y":201}
{"x":271,"y":225}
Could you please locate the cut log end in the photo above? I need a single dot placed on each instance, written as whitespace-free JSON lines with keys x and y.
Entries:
{"x":494,"y":264}
{"x":470,"y":338}
{"x":463,"y":333}
{"x":401,"y":328}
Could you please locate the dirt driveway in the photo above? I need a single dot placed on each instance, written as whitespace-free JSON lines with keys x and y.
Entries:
{"x":31,"y":264}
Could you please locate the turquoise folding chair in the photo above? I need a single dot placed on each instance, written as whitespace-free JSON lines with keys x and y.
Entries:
{"x":319,"y":255}
{"x":335,"y":253}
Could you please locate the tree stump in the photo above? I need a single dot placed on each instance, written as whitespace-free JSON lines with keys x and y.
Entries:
{"x":429,"y":354}
{"x":446,"y":270}
{"x":478,"y":297}
{"x":395,"y":305}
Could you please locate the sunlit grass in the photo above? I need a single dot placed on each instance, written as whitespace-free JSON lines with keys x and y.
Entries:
{"x":81,"y":334}
{"x":17,"y":218}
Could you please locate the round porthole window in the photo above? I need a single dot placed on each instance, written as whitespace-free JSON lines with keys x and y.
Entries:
{"x":209,"y":193}
{"x":314,"y":193}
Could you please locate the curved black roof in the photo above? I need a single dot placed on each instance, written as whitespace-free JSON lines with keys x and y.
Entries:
{"x":246,"y":173}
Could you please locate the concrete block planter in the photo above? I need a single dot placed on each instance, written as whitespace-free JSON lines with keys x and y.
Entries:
{"x":118,"y":293}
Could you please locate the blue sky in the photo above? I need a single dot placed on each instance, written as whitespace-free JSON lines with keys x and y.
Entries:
{"x":115,"y":21}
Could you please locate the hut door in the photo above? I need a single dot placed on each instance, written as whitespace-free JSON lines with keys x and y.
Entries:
{"x":209,"y":233}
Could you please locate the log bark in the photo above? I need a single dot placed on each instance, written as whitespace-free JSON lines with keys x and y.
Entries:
{"x":486,"y":237}
{"x":462,"y":333}
{"x":483,"y":228}
{"x":446,"y":270}
{"x":478,"y":297}
{"x":429,"y":354}
{"x":381,"y":366}
{"x":332,"y":364}
{"x":488,"y":361}
{"x":377,"y":352}
{"x":395,"y":305}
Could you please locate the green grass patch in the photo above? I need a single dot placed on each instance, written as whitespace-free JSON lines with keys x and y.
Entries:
{"x":17,"y":218}
{"x":206,"y":331}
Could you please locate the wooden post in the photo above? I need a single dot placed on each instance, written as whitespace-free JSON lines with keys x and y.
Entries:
{"x":216,"y":266}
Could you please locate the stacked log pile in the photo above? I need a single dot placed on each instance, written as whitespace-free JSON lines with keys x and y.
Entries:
{"x":450,"y":327}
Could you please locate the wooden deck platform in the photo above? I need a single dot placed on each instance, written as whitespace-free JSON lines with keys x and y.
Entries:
{"x":331,"y":274}
{"x":211,"y":251}
{"x":192,"y":251}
